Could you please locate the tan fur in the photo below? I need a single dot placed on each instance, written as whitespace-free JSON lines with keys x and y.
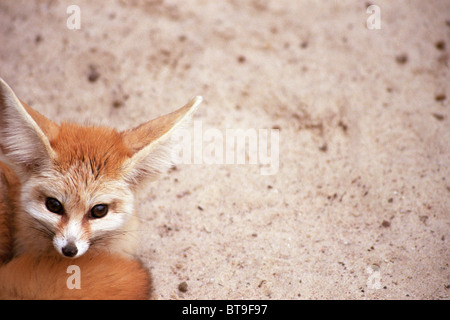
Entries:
{"x":48,"y":127}
{"x":80,"y":166}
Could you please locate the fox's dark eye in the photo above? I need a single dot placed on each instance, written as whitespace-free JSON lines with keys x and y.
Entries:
{"x":99,"y":211}
{"x":53,"y":205}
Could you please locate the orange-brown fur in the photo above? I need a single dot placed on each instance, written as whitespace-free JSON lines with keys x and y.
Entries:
{"x":103,"y":277}
{"x":100,"y":148}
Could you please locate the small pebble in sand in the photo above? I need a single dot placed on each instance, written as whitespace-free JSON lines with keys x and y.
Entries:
{"x":401,"y":59}
{"x":440,"y":45}
{"x":93,"y":73}
{"x":117,"y":103}
{"x":183,"y":286}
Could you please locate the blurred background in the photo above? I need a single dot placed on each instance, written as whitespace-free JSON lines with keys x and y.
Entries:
{"x":359,"y":208}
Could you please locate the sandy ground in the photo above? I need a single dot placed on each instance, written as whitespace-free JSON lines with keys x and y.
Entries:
{"x":359,"y":207}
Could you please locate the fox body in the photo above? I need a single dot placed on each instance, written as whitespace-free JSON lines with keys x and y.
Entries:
{"x":104,"y":276}
{"x":69,"y":189}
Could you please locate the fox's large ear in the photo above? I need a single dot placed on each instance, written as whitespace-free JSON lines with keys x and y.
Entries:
{"x":151,"y":143}
{"x":24,"y":133}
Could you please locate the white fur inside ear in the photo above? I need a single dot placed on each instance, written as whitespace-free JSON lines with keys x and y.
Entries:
{"x":149,"y":167}
{"x":157,"y":157}
{"x":22,"y":140}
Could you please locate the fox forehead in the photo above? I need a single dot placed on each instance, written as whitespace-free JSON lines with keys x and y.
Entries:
{"x":97,"y":151}
{"x":85,"y":172}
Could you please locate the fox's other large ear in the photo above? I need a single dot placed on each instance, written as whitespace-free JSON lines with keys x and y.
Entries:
{"x":25,"y":134}
{"x":151,"y":143}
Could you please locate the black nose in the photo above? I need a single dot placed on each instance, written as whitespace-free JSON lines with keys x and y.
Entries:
{"x":70,"y":250}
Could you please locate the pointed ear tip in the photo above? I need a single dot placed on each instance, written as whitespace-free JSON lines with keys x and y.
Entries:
{"x":197,"y":99}
{"x":195,"y":102}
{"x":5,"y":89}
{"x":3,"y":82}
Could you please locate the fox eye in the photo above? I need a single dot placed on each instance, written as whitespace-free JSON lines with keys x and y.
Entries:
{"x":53,"y":205}
{"x":99,"y":211}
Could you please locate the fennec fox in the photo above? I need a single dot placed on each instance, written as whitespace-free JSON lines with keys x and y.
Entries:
{"x":73,"y":188}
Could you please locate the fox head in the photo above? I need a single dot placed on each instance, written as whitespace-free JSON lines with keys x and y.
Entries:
{"x":78,"y":183}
